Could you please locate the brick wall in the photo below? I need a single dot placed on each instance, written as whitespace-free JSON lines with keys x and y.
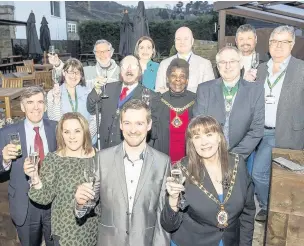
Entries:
{"x":7,"y":32}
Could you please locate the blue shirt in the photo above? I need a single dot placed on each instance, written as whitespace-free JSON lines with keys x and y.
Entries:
{"x":30,"y":136}
{"x":149,"y":75}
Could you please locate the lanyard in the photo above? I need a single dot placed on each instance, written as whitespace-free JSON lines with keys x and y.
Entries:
{"x":229,"y":94}
{"x":71,"y":102}
{"x":275,"y":82}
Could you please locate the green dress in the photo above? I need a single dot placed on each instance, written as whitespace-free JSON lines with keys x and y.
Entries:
{"x":60,"y":177}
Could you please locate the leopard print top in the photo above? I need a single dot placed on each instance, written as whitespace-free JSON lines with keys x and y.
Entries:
{"x":60,"y":177}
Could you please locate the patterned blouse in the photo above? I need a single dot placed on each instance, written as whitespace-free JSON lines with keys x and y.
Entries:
{"x":60,"y":177}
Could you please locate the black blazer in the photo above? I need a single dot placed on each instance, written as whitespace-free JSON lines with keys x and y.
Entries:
{"x":197,"y":225}
{"x":247,"y":117}
{"x":110,"y":134}
{"x":18,"y":185}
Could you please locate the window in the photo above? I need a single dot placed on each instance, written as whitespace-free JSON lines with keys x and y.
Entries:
{"x":55,"y":8}
{"x":72,"y":28}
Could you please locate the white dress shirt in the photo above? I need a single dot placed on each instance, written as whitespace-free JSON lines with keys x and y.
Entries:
{"x":271,"y":109}
{"x":130,"y":87}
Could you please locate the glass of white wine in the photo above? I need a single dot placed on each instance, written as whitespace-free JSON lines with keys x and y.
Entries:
{"x":34,"y":158}
{"x":255,"y":60}
{"x":52,"y":50}
{"x":177,"y":174}
{"x":91,"y":176}
{"x":15,"y":139}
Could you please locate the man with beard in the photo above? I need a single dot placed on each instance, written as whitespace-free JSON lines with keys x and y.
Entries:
{"x":200,"y":68}
{"x":246,"y":40}
{"x":105,"y":71}
{"x":118,"y":94}
{"x":130,"y":184}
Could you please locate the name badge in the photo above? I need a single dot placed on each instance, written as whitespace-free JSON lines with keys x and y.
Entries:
{"x":270,"y":99}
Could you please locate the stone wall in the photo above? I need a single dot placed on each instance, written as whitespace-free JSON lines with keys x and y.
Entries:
{"x":7,"y":32}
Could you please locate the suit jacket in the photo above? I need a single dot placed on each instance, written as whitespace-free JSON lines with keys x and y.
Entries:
{"x":197,"y":225}
{"x":142,"y":226}
{"x":289,"y":132}
{"x":110,"y":134}
{"x":18,"y":184}
{"x":200,"y":70}
{"x":149,"y":76}
{"x":247,"y":117}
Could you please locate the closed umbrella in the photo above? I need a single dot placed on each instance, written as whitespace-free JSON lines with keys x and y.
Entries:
{"x":45,"y":36}
{"x":33,"y":44}
{"x":126,"y":35}
{"x":140,"y":23}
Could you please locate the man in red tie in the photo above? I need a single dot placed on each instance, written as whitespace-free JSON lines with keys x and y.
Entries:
{"x":129,"y":87}
{"x":35,"y":134}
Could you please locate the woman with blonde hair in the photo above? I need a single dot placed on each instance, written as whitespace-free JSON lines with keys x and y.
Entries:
{"x":145,"y":52}
{"x":61,"y":172}
{"x":218,"y":206}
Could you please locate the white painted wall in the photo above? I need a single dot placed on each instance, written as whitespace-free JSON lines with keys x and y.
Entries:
{"x":57,"y":25}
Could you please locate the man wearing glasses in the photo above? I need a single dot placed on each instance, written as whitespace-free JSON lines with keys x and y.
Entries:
{"x":118,"y":93}
{"x":105,"y":71}
{"x":283,"y":79}
{"x":235,"y":103}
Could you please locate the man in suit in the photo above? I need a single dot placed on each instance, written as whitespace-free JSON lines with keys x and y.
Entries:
{"x":236,"y":104}
{"x":132,"y":185}
{"x":118,"y":94}
{"x":31,"y":220}
{"x":200,"y":68}
{"x":283,"y":79}
{"x":246,"y":41}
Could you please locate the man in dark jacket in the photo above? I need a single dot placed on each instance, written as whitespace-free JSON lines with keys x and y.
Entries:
{"x":118,"y":94}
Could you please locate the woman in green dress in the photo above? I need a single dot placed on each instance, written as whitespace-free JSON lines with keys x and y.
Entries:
{"x":60,"y":174}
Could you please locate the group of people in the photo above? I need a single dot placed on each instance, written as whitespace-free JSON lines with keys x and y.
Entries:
{"x":149,"y":120}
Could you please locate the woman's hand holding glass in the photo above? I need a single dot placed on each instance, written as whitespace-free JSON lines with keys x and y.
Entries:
{"x":84,"y":194}
{"x":174,"y":190}
{"x":56,"y":93}
{"x":30,"y":168}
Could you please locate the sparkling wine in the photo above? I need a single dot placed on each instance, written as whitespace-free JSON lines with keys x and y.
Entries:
{"x":34,"y":157}
{"x":177,"y":175}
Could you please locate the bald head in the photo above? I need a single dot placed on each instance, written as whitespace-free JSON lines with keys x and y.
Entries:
{"x":130,"y":71}
{"x":183,"y":40}
{"x":130,"y":60}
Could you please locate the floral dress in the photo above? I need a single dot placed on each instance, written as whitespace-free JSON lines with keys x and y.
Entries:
{"x":60,"y":177}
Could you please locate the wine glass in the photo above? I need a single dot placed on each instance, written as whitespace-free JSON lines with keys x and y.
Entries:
{"x":34,"y":158}
{"x":177,"y":175}
{"x":103,"y":91}
{"x":145,"y":96}
{"x":15,"y":139}
{"x":55,"y":76}
{"x":90,"y":175}
{"x":255,"y":60}
{"x":52,"y":50}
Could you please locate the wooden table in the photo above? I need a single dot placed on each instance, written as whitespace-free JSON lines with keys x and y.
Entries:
{"x":46,"y":67}
{"x":24,"y":75}
{"x":8,"y":94}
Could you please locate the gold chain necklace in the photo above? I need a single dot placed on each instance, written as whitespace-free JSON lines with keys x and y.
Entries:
{"x":222,"y":215}
{"x":177,"y":122}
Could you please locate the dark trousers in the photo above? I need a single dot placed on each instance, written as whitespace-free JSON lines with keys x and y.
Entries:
{"x":37,"y":223}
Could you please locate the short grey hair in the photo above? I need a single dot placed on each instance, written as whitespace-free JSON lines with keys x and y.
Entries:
{"x":31,"y":91}
{"x":103,"y":41}
{"x":217,"y":57}
{"x":280,"y":29}
{"x":245,"y":28}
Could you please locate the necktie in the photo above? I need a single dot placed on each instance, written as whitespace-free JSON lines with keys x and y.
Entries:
{"x":123,"y":93}
{"x":38,"y":144}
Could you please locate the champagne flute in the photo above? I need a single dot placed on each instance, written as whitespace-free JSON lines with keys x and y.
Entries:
{"x":15,"y":139}
{"x":90,"y":173}
{"x":55,"y":76}
{"x":34,"y":158}
{"x":255,"y":60}
{"x":52,"y":50}
{"x":145,"y":96}
{"x":177,"y":175}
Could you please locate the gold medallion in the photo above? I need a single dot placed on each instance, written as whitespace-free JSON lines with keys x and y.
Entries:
{"x":228,"y":107}
{"x":176,"y":122}
{"x":222,"y":218}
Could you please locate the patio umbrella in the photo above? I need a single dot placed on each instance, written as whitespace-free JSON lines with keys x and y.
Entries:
{"x":45,"y":36}
{"x":126,"y":35}
{"x":140,"y":23}
{"x":33,"y":44}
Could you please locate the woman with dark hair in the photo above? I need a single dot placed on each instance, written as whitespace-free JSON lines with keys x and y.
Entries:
{"x":219,"y":205}
{"x":71,"y":95}
{"x":61,"y":173}
{"x":145,"y":51}
{"x":174,"y":111}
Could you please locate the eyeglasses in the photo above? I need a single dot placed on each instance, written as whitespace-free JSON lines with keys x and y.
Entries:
{"x":175,"y":77}
{"x":73,"y":73}
{"x":276,"y":42}
{"x":231,"y":63}
{"x":101,"y":52}
{"x":131,"y":66}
